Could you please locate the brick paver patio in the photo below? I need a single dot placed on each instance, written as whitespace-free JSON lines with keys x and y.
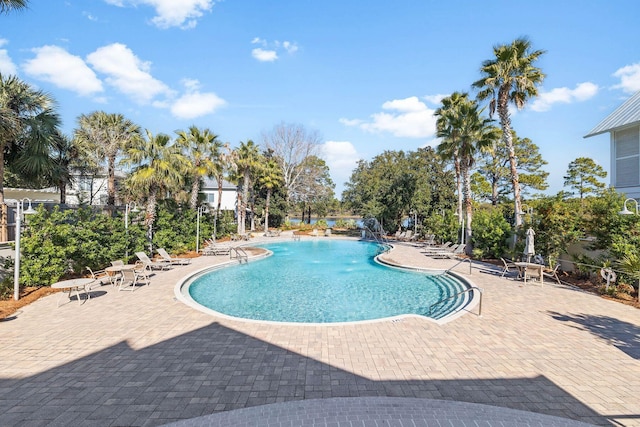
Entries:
{"x":143,"y":358}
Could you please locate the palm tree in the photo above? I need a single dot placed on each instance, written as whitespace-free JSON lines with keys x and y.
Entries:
{"x":270,"y":177}
{"x":247,"y":161}
{"x":27,"y":122}
{"x":104,"y":136}
{"x":7,"y":5}
{"x":476,"y":134}
{"x":159,"y":167}
{"x":510,"y":77}
{"x":65,"y":152}
{"x":450,"y":134}
{"x":202,"y":148}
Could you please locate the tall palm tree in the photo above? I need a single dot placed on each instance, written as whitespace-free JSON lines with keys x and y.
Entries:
{"x":447,"y":116}
{"x":8,"y":5}
{"x":476,"y":134}
{"x":202,"y":148}
{"x":159,"y":166}
{"x":248,"y":159}
{"x":270,"y":177}
{"x":510,"y":78}
{"x":104,"y":136}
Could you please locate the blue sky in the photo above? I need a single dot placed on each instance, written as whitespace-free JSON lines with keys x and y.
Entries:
{"x":366,"y":75}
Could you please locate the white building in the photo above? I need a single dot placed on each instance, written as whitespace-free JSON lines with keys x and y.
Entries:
{"x":90,"y":189}
{"x":229,"y":194}
{"x":623,"y":126}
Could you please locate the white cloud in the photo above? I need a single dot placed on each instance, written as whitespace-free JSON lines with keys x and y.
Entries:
{"x":409,"y":117}
{"x":6,"y":64}
{"x":582,"y":92}
{"x":434,"y":99}
{"x":55,"y":65}
{"x":342,"y":158}
{"x":629,"y":78}
{"x":264,"y":55}
{"x":195,"y":104}
{"x":172,"y":13}
{"x":290,"y":47}
{"x":127,"y":73}
{"x":271,"y":49}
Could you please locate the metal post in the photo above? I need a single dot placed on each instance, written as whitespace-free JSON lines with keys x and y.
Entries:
{"x":16,"y":273}
{"x":198,"y":230}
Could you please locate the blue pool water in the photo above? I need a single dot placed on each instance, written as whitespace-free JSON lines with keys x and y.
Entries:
{"x":323,"y":281}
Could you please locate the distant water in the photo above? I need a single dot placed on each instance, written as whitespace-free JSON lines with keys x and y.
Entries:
{"x":331,"y":222}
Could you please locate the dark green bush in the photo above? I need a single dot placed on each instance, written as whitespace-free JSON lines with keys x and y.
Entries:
{"x":491,"y":233}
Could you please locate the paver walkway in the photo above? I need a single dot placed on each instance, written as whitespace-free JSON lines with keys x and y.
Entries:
{"x":144,"y":358}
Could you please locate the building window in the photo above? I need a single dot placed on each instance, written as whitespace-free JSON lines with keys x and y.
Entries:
{"x":627,"y":146}
{"x":211,"y":198}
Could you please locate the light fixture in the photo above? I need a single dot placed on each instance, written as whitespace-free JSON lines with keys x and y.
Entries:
{"x":625,"y":210}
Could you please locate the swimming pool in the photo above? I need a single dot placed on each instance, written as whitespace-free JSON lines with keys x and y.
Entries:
{"x":323,"y":281}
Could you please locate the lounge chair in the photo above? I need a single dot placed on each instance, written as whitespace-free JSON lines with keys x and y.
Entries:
{"x":175,"y":261}
{"x":157,"y":265}
{"x":450,"y":253}
{"x":216,"y":249}
{"x":434,"y":249}
{"x":407,"y":236}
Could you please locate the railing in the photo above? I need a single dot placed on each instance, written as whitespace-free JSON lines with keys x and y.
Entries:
{"x":471,"y":289}
{"x":460,"y":262}
{"x":239,"y":254}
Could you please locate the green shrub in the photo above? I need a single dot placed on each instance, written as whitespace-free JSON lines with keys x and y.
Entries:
{"x":491,"y":233}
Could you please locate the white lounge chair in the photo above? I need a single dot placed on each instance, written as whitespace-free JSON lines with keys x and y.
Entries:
{"x":175,"y":261}
{"x":158,"y":265}
{"x":216,"y":249}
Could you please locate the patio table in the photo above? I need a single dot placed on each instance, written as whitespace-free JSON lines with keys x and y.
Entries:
{"x":76,"y":285}
{"x":526,"y":267}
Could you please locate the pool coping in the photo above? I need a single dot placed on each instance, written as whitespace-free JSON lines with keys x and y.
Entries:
{"x":182,"y":294}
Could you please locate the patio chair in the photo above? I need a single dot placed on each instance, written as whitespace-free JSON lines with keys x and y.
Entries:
{"x":552,"y":273}
{"x":175,"y":261}
{"x":128,"y":280}
{"x":142,"y":270}
{"x":508,"y":265}
{"x":158,"y":265}
{"x":117,"y":262}
{"x":100,"y":277}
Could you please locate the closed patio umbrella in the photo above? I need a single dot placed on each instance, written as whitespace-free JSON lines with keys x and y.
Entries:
{"x":529,"y":249}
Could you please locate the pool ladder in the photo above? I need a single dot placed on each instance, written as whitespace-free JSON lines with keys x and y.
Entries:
{"x":239,"y":254}
{"x":471,"y":289}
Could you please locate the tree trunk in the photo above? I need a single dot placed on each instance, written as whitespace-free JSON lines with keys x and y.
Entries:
{"x":111,"y":182}
{"x":505,"y":123}
{"x":456,"y":163}
{"x":468,"y":207}
{"x":266,"y":210}
{"x":63,"y":192}
{"x":150,"y":218}
{"x":195,"y":189}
